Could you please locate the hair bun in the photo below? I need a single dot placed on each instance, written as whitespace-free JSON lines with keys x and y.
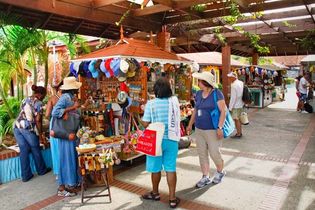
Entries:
{"x":34,"y":87}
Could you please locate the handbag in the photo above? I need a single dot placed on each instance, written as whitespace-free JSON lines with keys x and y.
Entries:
{"x":228,"y":126}
{"x":65,"y":128}
{"x":244,"y":118}
{"x":150,"y":141}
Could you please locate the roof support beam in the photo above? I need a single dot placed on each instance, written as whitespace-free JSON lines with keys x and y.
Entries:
{"x":151,"y":10}
{"x":78,"y":26}
{"x":80,"y":12}
{"x":102,"y":3}
{"x":309,"y":11}
{"x":47,"y":20}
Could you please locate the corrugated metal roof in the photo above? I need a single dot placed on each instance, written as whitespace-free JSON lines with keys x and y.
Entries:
{"x":134,"y":48}
{"x":209,"y":58}
{"x":309,"y":58}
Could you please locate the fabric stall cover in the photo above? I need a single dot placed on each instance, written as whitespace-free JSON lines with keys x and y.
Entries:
{"x":10,"y":169}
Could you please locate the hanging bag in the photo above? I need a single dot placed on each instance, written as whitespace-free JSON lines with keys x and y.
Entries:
{"x":228,"y":126}
{"x":65,"y":128}
{"x":150,"y":141}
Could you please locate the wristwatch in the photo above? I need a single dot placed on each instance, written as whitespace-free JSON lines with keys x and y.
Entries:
{"x":220,"y":128}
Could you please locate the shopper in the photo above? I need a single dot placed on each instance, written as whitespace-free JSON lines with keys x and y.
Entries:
{"x":54,"y":142}
{"x":159,"y":110}
{"x":68,"y":176}
{"x":303,"y":88}
{"x":208,"y":136}
{"x":28,"y":133}
{"x":236,"y":103}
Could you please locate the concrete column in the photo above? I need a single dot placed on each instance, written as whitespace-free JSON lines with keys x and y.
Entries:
{"x":255,"y":59}
{"x":164,"y":39}
{"x":226,"y":67}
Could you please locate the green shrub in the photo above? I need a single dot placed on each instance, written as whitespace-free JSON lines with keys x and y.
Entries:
{"x":6,"y":123}
{"x":289,"y":81}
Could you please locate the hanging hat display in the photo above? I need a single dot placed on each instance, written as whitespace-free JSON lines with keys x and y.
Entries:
{"x":103,"y":68}
{"x":124,"y":66}
{"x":122,"y":97}
{"x":275,"y":73}
{"x":97,"y":64}
{"x":81,"y":69}
{"x":73,"y":71}
{"x":114,"y":65}
{"x":243,"y":71}
{"x":108,"y":66}
{"x":136,"y":63}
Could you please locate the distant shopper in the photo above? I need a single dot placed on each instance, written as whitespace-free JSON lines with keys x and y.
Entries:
{"x":159,"y":110}
{"x":54,"y":142}
{"x":303,"y":88}
{"x":208,"y":136}
{"x":236,"y":103}
{"x":28,"y":133}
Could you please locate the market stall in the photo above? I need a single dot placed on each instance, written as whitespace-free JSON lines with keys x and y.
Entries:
{"x":118,"y":81}
{"x":265,"y":83}
{"x":211,"y":61}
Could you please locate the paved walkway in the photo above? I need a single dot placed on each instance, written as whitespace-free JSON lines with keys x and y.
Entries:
{"x":271,"y":167}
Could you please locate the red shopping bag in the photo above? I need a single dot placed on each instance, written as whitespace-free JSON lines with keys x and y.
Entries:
{"x":150,"y":141}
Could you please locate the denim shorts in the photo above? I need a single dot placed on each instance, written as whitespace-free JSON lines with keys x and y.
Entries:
{"x":168,"y":159}
{"x":303,"y":97}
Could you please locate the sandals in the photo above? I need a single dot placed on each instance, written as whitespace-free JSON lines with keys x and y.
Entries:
{"x":151,"y":196}
{"x":236,"y":136}
{"x":65,"y":193}
{"x":174,"y":203}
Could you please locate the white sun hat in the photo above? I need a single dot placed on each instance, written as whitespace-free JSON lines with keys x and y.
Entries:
{"x":206,"y":76}
{"x":70,"y":83}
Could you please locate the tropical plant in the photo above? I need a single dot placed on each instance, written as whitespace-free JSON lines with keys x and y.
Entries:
{"x":6,"y":121}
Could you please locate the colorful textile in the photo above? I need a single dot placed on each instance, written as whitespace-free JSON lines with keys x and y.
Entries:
{"x":30,"y":108}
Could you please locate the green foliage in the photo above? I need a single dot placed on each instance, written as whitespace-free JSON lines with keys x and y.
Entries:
{"x":289,"y":81}
{"x":220,"y":87}
{"x":307,"y":42}
{"x":287,"y":24}
{"x":199,"y":7}
{"x":6,"y":122}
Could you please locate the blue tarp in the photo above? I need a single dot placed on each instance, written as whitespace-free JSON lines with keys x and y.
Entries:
{"x":10,"y":169}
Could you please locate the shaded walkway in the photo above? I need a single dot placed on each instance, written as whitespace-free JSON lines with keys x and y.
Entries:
{"x":278,"y":146}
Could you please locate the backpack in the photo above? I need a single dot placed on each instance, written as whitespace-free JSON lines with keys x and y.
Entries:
{"x":308,"y":108}
{"x":247,"y":96}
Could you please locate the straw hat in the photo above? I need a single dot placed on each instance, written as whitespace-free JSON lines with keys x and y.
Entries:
{"x":70,"y":83}
{"x":206,"y":76}
{"x":232,"y":74}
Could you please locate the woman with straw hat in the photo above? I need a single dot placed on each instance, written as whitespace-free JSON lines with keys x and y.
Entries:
{"x":68,"y":167}
{"x":208,"y":136}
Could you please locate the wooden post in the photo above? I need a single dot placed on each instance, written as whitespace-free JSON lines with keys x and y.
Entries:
{"x":164,"y":39}
{"x":255,"y":58}
{"x":226,"y":67}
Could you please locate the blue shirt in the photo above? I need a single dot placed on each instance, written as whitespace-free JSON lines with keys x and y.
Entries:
{"x":204,"y":107}
{"x":64,"y":102}
{"x":159,"y":108}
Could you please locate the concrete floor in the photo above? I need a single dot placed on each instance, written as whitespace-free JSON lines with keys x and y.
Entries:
{"x":253,"y":164}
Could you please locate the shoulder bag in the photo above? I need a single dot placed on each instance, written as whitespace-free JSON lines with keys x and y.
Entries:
{"x":65,"y":128}
{"x":228,"y":126}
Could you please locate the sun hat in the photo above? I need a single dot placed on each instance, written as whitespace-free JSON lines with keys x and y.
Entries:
{"x":124,"y":65}
{"x":136,"y":63}
{"x":97,"y":64}
{"x":73,"y":71}
{"x":232,"y":74}
{"x":108,"y":66}
{"x":206,"y":76}
{"x":81,"y":71}
{"x":115,"y":66}
{"x":70,"y":83}
{"x":103,"y":68}
{"x":91,"y":66}
{"x":132,"y":65}
{"x":86,"y":69}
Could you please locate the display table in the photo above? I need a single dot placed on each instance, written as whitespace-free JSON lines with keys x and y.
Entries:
{"x":10,"y":167}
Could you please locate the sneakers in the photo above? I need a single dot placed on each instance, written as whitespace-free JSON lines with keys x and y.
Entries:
{"x":204,"y":181}
{"x":65,"y":193}
{"x":218,"y":176}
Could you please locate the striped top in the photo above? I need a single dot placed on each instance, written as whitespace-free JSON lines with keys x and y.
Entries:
{"x":159,"y":112}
